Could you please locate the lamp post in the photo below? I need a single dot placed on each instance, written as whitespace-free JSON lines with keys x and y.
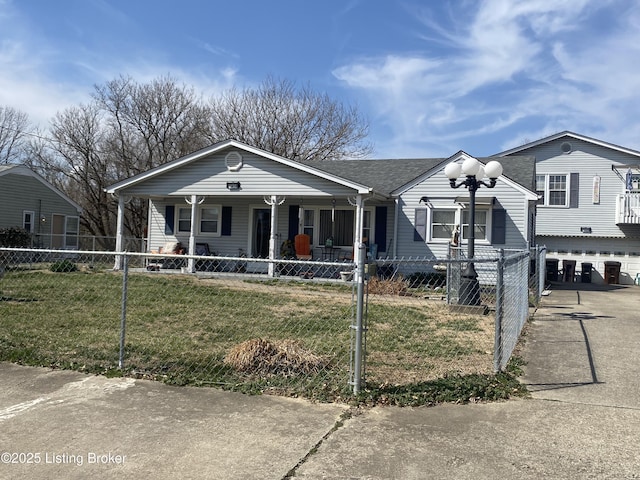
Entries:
{"x":474,"y":172}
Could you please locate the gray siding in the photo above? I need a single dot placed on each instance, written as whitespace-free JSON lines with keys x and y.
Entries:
{"x":588,"y":160}
{"x":440,"y":194}
{"x":21,"y":192}
{"x":258,"y":176}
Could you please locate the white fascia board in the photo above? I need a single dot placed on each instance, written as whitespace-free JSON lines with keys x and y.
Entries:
{"x":360,"y":189}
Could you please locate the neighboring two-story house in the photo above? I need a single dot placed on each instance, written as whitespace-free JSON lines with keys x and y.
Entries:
{"x":589,"y":206}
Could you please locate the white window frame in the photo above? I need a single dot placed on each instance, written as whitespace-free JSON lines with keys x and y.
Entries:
{"x":430,"y":223}
{"x":218,"y":220}
{"x":487,"y":224}
{"x":459,"y":213}
{"x":187,"y":210}
{"x":544,"y":201}
{"x":71,"y":234}
{"x":308,"y":228}
{"x":178,"y":219}
{"x":31,"y":222}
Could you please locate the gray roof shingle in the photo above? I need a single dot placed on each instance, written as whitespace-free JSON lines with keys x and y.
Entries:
{"x":387,"y":175}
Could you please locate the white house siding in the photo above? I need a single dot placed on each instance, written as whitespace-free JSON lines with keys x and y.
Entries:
{"x":436,"y":188}
{"x":560,"y":228}
{"x":589,"y":161}
{"x":258,"y":176}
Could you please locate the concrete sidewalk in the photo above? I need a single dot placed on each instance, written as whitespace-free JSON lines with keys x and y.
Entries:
{"x":582,"y":422}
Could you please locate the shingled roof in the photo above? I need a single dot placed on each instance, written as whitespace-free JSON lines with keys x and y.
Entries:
{"x":387,"y":175}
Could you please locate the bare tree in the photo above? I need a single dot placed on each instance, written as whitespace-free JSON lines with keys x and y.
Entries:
{"x":298,"y":124}
{"x":128,"y":128}
{"x":14,"y":127}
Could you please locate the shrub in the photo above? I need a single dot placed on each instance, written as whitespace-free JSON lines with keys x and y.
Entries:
{"x":15,"y":237}
{"x":395,"y":286}
{"x":63,"y":266}
{"x":429,"y":279}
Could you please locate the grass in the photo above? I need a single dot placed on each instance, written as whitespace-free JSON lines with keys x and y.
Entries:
{"x":179,"y":329}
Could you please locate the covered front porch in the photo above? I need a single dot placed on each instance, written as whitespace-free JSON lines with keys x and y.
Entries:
{"x":259,"y":229}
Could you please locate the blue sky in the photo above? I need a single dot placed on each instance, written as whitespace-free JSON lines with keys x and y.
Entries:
{"x":432,"y":77}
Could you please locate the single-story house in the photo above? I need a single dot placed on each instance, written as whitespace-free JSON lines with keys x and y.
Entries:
{"x":588,"y":214}
{"x":30,"y":202}
{"x":239,"y":199}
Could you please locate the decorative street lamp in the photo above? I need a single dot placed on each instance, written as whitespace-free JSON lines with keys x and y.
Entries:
{"x":474,"y":172}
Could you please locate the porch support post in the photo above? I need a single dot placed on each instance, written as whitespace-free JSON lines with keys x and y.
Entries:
{"x":359,"y":223}
{"x":119,"y":235}
{"x":274,"y":234}
{"x":192,"y":235}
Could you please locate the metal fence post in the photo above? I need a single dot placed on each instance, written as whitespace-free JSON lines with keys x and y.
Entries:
{"x":497,"y":346}
{"x":123,"y":313}
{"x":358,"y":327}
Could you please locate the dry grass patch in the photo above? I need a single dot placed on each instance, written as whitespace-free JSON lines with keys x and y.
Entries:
{"x":285,"y":357}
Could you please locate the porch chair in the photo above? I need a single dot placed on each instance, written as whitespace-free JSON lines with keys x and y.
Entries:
{"x":171,"y":248}
{"x":202,"y":249}
{"x":302,"y":244}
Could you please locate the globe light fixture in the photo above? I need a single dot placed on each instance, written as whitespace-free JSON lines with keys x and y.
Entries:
{"x":473,"y":172}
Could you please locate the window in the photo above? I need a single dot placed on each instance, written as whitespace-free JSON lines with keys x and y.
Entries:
{"x":553,"y":190}
{"x":541,"y":182}
{"x":443,"y":223}
{"x":336,"y":224}
{"x":184,"y":219}
{"x":480,"y":221}
{"x":210,"y":220}
{"x":307,"y":226}
{"x":366,"y":226}
{"x":27,"y":221}
{"x":71,"y":232}
{"x":557,"y":190}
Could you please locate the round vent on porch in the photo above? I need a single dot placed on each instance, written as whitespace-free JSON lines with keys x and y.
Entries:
{"x":233,"y":161}
{"x":566,"y":147}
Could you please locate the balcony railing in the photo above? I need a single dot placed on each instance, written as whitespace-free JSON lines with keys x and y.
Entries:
{"x":628,"y":208}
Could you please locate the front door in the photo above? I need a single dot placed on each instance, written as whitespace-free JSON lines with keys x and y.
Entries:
{"x":57,"y":231}
{"x":261,"y":233}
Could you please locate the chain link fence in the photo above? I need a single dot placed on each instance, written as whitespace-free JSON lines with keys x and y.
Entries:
{"x":316,"y":329}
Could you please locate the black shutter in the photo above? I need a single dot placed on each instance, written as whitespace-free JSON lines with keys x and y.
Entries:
{"x":574,"y":191}
{"x":169,"y":219}
{"x":499,"y":227}
{"x":380,"y":234}
{"x":420,"y":225}
{"x":225,"y":226}
{"x":294,"y":211}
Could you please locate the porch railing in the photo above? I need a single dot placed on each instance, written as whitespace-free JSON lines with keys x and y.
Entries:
{"x":628,"y":208}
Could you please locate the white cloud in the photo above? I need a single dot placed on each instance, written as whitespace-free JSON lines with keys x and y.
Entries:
{"x":506,"y":63}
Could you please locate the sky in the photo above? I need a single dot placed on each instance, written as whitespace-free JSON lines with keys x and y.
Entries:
{"x":431,"y":77}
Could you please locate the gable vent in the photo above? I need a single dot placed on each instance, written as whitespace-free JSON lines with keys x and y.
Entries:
{"x":233,"y":161}
{"x":566,"y":147}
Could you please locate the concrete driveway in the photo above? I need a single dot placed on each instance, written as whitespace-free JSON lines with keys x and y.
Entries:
{"x":583,"y":420}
